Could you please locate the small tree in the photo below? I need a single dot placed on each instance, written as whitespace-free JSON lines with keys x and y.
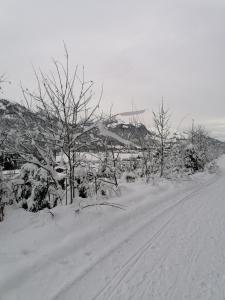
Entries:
{"x":161,"y":124}
{"x":197,"y":152}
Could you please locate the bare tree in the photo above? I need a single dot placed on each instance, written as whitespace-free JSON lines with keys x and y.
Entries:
{"x":64,"y":116}
{"x":161,"y":124}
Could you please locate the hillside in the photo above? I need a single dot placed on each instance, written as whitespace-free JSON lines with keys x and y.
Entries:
{"x":14,"y":115}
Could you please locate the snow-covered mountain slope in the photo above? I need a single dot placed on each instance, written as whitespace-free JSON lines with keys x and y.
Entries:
{"x":168,"y":243}
{"x":14,"y":116}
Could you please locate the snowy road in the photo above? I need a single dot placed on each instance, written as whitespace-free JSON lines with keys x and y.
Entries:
{"x":168,"y":244}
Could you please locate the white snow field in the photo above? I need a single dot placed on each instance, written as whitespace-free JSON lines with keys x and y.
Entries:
{"x":169,"y":243}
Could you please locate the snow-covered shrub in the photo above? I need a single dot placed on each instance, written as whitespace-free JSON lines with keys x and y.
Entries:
{"x":175,"y":163}
{"x":194,"y":159}
{"x":201,"y":149}
{"x":148,"y":166}
{"x":110,"y":168}
{"x":5,"y":193}
{"x":32,"y":189}
{"x":83,"y":181}
{"x":86,"y":183}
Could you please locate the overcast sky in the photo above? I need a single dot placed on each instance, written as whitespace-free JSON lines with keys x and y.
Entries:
{"x":141,"y":50}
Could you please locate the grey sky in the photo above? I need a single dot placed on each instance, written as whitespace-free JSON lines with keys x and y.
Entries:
{"x":141,"y":50}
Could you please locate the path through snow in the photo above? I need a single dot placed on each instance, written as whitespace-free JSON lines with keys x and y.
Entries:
{"x":168,"y":244}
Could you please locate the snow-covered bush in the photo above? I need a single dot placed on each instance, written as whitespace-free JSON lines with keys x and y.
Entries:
{"x":194,"y":159}
{"x":91,"y":182}
{"x":6,"y":196}
{"x":33,"y":189}
{"x":83,"y":181}
{"x":109,"y":168}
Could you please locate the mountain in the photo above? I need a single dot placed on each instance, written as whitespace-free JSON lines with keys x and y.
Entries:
{"x":13,"y":117}
{"x":136,"y":133}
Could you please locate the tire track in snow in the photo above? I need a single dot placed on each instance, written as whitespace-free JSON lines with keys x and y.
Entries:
{"x":185,"y":276}
{"x":100,"y":259}
{"x":200,"y":241}
{"x":119,"y":277}
{"x":108,"y":291}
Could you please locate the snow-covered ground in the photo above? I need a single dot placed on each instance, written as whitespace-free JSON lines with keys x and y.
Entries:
{"x":169,"y":243}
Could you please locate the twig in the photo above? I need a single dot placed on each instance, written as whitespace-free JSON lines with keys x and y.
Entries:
{"x":104,"y":204}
